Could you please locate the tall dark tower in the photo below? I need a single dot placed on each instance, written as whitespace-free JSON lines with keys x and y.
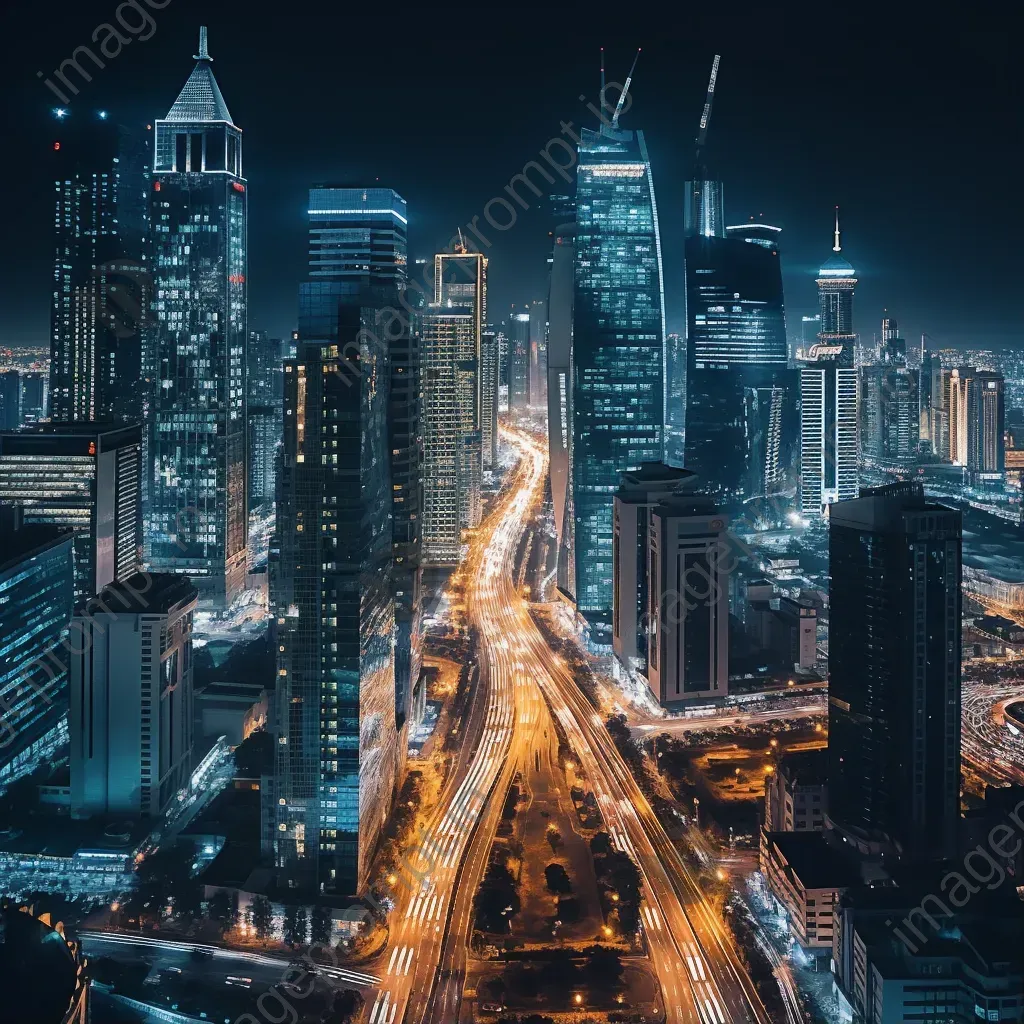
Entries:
{"x":100,"y":284}
{"x":894,"y":680}
{"x":836,"y":282}
{"x":197,"y":515}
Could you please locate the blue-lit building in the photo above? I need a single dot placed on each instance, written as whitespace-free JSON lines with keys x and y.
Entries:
{"x":100,"y":279}
{"x":197,"y":522}
{"x":340,"y":712}
{"x":618,"y":377}
{"x":36,"y":601}
{"x":738,"y":392}
{"x":265,"y":409}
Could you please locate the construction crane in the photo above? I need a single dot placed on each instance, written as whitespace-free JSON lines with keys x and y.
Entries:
{"x":705,"y":116}
{"x":625,"y":88}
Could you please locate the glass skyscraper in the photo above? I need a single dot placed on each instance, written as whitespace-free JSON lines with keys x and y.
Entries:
{"x":736,"y":377}
{"x":345,"y":585}
{"x":618,"y":382}
{"x":197,"y":521}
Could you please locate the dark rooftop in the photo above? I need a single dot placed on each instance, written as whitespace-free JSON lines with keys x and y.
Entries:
{"x":815,"y":861}
{"x":806,"y":767}
{"x":30,"y":539}
{"x":153,"y":592}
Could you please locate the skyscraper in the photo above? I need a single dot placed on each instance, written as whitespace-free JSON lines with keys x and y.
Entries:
{"x":85,"y":477}
{"x":265,"y":398}
{"x":519,"y":362}
{"x":197,"y":521}
{"x":829,"y":418}
{"x":986,"y":422}
{"x":890,"y":404}
{"x":36,"y":600}
{"x":736,"y":344}
{"x":618,"y":384}
{"x":538,"y":353}
{"x":489,"y":398}
{"x":451,"y":444}
{"x":338,"y":755}
{"x":894,"y":678}
{"x":99,"y":363}
{"x":131,"y":714}
{"x":560,"y":299}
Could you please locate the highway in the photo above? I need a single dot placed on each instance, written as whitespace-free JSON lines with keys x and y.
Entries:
{"x":431,"y":923}
{"x":991,"y":746}
{"x":701,"y":977}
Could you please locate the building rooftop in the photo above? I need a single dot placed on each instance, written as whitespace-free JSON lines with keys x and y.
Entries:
{"x":154,"y":592}
{"x":653,"y":476}
{"x":200,"y":98}
{"x":816,"y":862}
{"x":30,"y":539}
{"x":806,"y":767}
{"x":69,"y":438}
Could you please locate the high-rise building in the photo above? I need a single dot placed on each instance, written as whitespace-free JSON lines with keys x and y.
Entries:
{"x":956,"y":401}
{"x":538,"y":353}
{"x":451,"y":442}
{"x":358,"y":256}
{"x":489,"y":398}
{"x":265,"y":407}
{"x":829,"y":416}
{"x":35,"y":398}
{"x":736,"y":347}
{"x":10,"y":399}
{"x":36,"y":600}
{"x":618,"y":401}
{"x":131,"y":713}
{"x":890,"y":404}
{"x":559,"y":388}
{"x":85,"y":477}
{"x":986,"y":422}
{"x":894,"y":679}
{"x":197,"y":517}
{"x":339,"y":751}
{"x":638,"y":493}
{"x":688,"y":601}
{"x":519,"y":362}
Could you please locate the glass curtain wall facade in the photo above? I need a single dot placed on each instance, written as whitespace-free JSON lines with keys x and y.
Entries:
{"x":198,"y":520}
{"x":618,"y":372}
{"x":736,"y":365}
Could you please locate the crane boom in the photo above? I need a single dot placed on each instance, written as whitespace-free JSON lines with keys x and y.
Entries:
{"x":625,"y":89}
{"x":705,"y":117}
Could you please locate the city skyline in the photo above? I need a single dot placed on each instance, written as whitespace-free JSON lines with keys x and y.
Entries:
{"x":892,"y":220}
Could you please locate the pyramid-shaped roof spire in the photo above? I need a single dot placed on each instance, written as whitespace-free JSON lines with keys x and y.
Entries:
{"x":201,"y":98}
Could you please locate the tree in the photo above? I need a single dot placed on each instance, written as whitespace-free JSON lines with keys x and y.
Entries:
{"x":554,"y":837}
{"x":220,"y":909}
{"x":601,"y":844}
{"x":288,"y":926}
{"x":301,"y":931}
{"x":496,"y":894}
{"x":320,"y":926}
{"x":557,"y":879}
{"x":262,"y":917}
{"x":347,"y":1006}
{"x":604,"y":967}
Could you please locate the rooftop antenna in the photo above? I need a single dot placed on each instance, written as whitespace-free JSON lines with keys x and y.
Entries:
{"x":461,"y":247}
{"x":203,"y":53}
{"x":837,"y":247}
{"x":602,"y":77}
{"x":625,"y":89}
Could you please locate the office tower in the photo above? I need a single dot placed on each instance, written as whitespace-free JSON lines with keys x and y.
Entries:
{"x":986,"y":422}
{"x":639,"y":492}
{"x":358,"y":256}
{"x":675,"y":399}
{"x":957,"y":391}
{"x":538,"y":373}
{"x":703,"y":210}
{"x":932,"y":409}
{"x":890,"y":404}
{"x":265,"y":398}
{"x":894,"y":679}
{"x":519,"y":362}
{"x":35,"y":402}
{"x":829,"y":427}
{"x":197,"y":517}
{"x":796,"y":793}
{"x":451,"y":493}
{"x":10,"y":399}
{"x":338,"y":751}
{"x":489,"y":399}
{"x":559,"y":387}
{"x":736,"y":347}
{"x":86,"y":477}
{"x":688,"y":600}
{"x":131,"y":714}
{"x":618,"y":352}
{"x":36,"y":600}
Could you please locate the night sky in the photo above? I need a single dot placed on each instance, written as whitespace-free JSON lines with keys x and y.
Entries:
{"x":912,"y":125}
